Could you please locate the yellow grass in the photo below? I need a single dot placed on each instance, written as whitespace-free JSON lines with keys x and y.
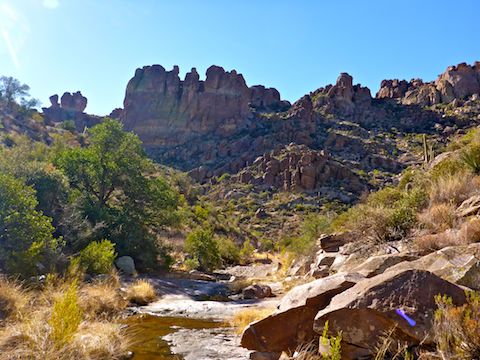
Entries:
{"x":245,"y":317}
{"x":141,"y":292}
{"x":13,"y":299}
{"x":33,"y":336}
{"x":101,"y":300}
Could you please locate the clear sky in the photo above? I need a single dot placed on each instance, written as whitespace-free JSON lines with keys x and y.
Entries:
{"x":296,"y":46}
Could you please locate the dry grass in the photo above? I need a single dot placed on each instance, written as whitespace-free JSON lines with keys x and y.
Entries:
{"x":34,"y":334}
{"x":101,"y":300}
{"x":434,"y":242}
{"x":468,"y":233}
{"x":438,"y":217}
{"x":32,"y":340}
{"x":141,"y":292}
{"x":245,"y":317}
{"x":13,"y":299}
{"x":453,"y":189}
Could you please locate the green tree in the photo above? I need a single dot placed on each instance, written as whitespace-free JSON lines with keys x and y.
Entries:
{"x":113,"y":176}
{"x":26,"y":239}
{"x":201,"y":245}
{"x":13,"y":92}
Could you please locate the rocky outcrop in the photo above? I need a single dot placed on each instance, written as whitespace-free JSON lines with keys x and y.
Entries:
{"x":70,"y":108}
{"x":292,"y":324}
{"x":298,"y":168}
{"x":343,"y":97}
{"x":457,"y":82}
{"x":458,"y":264}
{"x":165,"y":110}
{"x":375,"y":306}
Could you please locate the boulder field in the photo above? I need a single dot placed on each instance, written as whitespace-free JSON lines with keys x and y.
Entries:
{"x":389,"y":292}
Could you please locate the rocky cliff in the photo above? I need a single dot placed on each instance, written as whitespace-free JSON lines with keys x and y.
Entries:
{"x":457,"y":82}
{"x":220,"y":124}
{"x":167,"y":111}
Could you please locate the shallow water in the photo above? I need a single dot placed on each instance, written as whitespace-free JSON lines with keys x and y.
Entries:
{"x":148,"y":330}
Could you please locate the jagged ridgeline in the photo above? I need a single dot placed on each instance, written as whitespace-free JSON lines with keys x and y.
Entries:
{"x":220,"y":125}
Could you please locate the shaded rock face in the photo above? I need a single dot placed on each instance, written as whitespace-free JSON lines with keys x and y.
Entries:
{"x":457,"y":82}
{"x":292,"y":324}
{"x":71,"y":107}
{"x":164,"y":110}
{"x":220,"y":125}
{"x":370,"y":308}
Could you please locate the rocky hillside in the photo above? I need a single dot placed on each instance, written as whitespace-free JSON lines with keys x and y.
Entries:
{"x":220,"y":125}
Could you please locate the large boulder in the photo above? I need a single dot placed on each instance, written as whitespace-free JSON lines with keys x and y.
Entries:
{"x":332,"y":242}
{"x":458,"y":264}
{"x":126,"y":265}
{"x":378,"y":264}
{"x":373,"y":307}
{"x":292,"y":322}
{"x":257,"y":291}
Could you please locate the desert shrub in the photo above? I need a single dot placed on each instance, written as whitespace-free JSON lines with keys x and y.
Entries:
{"x":470,"y":156}
{"x":66,"y":316}
{"x":448,"y":167}
{"x":25,"y":234}
{"x":97,"y":257}
{"x":246,"y":252}
{"x":229,"y":251}
{"x":386,"y":215}
{"x":200,"y":212}
{"x":201,"y":245}
{"x":438,"y":217}
{"x":469,"y":231}
{"x":452,"y":189}
{"x":191,"y":264}
{"x":457,"y":328}
{"x":141,"y":292}
{"x":13,"y":299}
{"x":68,"y":125}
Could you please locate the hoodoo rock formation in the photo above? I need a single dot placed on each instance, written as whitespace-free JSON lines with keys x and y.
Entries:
{"x":71,"y":107}
{"x":166,"y":111}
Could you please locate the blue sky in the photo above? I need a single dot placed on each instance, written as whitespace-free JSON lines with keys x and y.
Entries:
{"x":296,"y":46}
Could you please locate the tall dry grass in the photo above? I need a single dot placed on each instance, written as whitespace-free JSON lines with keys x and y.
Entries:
{"x":141,"y":292}
{"x":13,"y":299}
{"x":438,"y":217}
{"x":62,"y":321}
{"x":453,"y":189}
{"x":468,"y":233}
